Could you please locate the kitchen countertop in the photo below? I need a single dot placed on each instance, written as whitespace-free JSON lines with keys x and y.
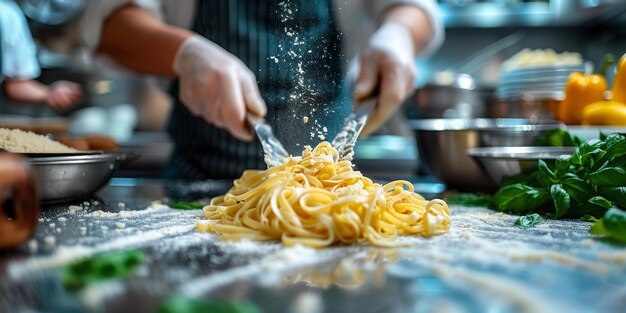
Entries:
{"x":484,"y":264}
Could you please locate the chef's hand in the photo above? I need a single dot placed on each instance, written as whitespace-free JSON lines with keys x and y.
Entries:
{"x":217,"y":86}
{"x":63,"y":95}
{"x":387,"y":61}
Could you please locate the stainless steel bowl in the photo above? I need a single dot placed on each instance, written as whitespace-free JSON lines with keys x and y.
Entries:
{"x":499,"y":162}
{"x":65,"y":178}
{"x":443,"y":143}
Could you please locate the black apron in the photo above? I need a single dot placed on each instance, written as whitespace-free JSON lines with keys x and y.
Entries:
{"x":296,"y":59}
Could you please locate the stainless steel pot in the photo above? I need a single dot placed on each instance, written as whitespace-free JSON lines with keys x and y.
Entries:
{"x":459,"y":98}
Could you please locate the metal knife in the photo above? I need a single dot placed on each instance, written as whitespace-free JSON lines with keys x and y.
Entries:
{"x":274,"y":152}
{"x":352,"y":126}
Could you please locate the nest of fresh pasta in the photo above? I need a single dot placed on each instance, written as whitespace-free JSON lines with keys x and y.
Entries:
{"x":318,"y":200}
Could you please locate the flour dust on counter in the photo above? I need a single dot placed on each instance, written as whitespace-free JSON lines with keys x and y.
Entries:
{"x":484,"y":264}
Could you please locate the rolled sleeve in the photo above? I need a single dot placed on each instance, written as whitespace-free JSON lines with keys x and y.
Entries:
{"x":97,"y":12}
{"x":376,"y":8}
{"x":19,"y":53}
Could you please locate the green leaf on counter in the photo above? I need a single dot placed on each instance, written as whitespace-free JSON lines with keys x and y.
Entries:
{"x":614,"y":222}
{"x":187,"y":205}
{"x":561,"y":200}
{"x":589,"y":218}
{"x":100,"y":267}
{"x":180,"y":304}
{"x":598,"y":228}
{"x":557,"y":138}
{"x":469,"y":199}
{"x":527,"y":221}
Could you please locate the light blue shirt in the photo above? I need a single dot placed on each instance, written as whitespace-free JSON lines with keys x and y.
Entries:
{"x":19,"y":53}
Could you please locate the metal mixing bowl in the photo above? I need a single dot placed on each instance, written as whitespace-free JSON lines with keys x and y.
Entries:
{"x":499,"y":162}
{"x":443,"y":143}
{"x":65,"y":178}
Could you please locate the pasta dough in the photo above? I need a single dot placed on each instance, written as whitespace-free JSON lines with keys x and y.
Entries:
{"x":317,"y":200}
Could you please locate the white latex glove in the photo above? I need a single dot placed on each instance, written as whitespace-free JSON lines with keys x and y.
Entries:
{"x":217,"y":86}
{"x":387,"y":61}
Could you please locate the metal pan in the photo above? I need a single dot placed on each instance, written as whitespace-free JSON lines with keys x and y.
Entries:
{"x":70,"y":177}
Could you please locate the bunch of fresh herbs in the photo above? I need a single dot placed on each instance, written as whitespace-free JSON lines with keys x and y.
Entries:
{"x":589,"y":182}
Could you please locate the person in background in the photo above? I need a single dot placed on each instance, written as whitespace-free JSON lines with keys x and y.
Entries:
{"x":19,"y":67}
{"x":242,"y":52}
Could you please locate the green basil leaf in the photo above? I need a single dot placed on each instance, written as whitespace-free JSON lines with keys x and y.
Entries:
{"x":588,"y":153}
{"x":598,"y":228}
{"x":563,"y":163}
{"x":527,"y":221}
{"x":578,"y":189}
{"x":469,"y":199}
{"x":603,"y":136}
{"x":617,"y":195}
{"x":589,"y":218}
{"x":187,"y":205}
{"x":561,"y":199}
{"x":182,"y":304}
{"x":99,"y":267}
{"x":608,"y":176}
{"x":614,"y":222}
{"x":519,"y":198}
{"x":613,"y":140}
{"x":546,"y":176}
{"x":601,"y":201}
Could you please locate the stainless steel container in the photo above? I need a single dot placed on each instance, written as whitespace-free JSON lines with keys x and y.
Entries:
{"x":499,"y":162}
{"x":443,"y":143}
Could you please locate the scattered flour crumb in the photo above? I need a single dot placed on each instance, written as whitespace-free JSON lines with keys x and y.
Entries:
{"x":75,"y":208}
{"x":85,"y":203}
{"x":49,"y":240}
{"x":100,"y":213}
{"x":121,"y":205}
{"x":305,"y":119}
{"x":32,"y":246}
{"x":120,"y":225}
{"x":59,"y":230}
{"x":62,"y":219}
{"x":52,"y":225}
{"x":321,"y":137}
{"x":158,"y":204}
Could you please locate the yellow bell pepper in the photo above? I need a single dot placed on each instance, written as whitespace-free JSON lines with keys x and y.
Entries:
{"x":605,"y":113}
{"x":580,"y":91}
{"x":619,"y":82}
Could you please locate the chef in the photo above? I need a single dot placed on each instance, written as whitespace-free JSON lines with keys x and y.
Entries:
{"x":274,"y":58}
{"x":19,"y":67}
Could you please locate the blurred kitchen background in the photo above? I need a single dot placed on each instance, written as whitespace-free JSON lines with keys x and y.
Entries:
{"x":480,"y":36}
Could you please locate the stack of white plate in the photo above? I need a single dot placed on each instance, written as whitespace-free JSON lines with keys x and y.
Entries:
{"x":547,"y":81}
